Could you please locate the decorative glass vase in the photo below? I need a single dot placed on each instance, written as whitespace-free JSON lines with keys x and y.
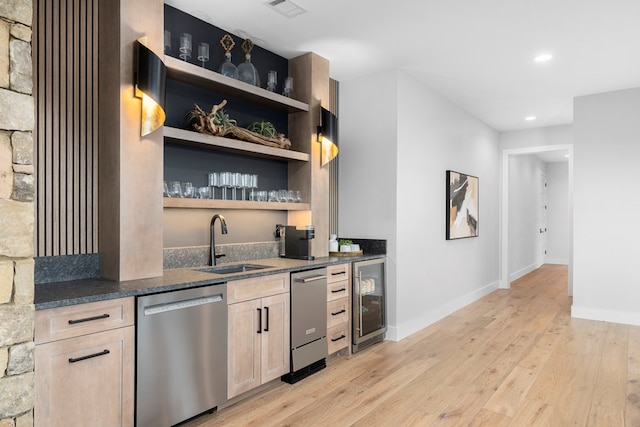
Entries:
{"x":227,"y":68}
{"x":247,"y":72}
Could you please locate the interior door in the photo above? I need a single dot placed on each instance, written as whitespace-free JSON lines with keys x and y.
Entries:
{"x":542,"y":220}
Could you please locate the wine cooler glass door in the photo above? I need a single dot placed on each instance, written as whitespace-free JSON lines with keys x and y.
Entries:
{"x":369,"y":299}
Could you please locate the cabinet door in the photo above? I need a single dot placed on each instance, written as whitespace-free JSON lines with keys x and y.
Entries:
{"x":86,"y":381}
{"x":275,"y":337}
{"x":244,"y":346}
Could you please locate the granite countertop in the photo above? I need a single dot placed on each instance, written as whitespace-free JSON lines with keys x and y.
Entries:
{"x":58,"y":294}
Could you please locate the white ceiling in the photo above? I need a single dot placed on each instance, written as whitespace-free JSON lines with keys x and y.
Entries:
{"x":477,"y":53}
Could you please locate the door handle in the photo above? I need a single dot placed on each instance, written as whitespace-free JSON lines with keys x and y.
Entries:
{"x":259,"y":320}
{"x":266,"y":313}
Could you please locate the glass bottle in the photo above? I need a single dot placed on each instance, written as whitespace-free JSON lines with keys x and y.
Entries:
{"x":227,"y":68}
{"x":247,"y":72}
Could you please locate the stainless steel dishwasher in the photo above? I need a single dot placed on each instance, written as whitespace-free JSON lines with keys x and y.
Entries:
{"x":181,"y":354}
{"x":308,"y":324}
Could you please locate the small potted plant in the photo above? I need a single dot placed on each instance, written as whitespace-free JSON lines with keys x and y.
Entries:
{"x":345,"y":245}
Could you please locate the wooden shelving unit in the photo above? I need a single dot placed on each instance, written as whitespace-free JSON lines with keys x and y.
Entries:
{"x":192,"y":74}
{"x":232,"y":204}
{"x":186,"y":137}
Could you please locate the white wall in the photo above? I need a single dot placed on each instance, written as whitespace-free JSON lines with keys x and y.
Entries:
{"x":558,"y":213}
{"x":524,"y":214}
{"x":411,"y":136}
{"x":606,"y":203}
{"x":537,"y":137}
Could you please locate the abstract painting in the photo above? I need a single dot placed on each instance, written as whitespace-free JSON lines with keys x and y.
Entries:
{"x":462,"y":205}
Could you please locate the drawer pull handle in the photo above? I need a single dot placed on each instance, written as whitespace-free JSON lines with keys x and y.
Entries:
{"x":90,"y":356}
{"x":339,"y":312}
{"x":339,"y":338}
{"x":337,"y":273}
{"x":88,"y":319}
{"x":338,"y":290}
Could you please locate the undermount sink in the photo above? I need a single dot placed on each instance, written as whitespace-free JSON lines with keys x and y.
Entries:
{"x":237,"y":268}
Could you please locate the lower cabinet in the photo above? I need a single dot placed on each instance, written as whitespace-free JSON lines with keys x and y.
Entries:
{"x":259,"y":332}
{"x":87,"y":378}
{"x":338,"y":307}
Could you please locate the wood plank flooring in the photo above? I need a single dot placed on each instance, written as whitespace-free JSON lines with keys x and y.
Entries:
{"x":513,"y":358}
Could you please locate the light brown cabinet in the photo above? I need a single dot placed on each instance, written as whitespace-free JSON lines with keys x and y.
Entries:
{"x":84,"y":361}
{"x":338,"y":307}
{"x":259,"y":332}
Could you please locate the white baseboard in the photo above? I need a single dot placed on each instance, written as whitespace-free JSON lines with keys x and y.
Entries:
{"x":396,"y":333}
{"x":624,"y":317}
{"x":523,"y":272}
{"x":561,"y":261}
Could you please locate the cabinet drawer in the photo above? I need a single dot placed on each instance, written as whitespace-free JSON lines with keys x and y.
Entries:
{"x":338,"y":337}
{"x":336,"y":273}
{"x":257,"y":287}
{"x":337,"y":290}
{"x":337,"y":312}
{"x":75,"y":320}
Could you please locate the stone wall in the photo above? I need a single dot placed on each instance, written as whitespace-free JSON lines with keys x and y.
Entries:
{"x":16,"y":215}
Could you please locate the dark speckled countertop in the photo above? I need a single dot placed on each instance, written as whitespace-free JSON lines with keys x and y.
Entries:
{"x":58,"y":294}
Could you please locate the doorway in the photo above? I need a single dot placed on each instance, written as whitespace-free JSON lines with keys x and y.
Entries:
{"x":505,"y":280}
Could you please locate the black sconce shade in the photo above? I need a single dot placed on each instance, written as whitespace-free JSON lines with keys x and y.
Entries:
{"x":328,"y":136}
{"x":150,"y":85}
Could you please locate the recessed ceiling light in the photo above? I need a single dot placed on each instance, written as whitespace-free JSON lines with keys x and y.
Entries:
{"x":543,"y":58}
{"x":566,"y":156}
{"x":530,"y":118}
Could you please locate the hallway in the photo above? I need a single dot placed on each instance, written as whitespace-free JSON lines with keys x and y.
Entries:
{"x":512,"y":358}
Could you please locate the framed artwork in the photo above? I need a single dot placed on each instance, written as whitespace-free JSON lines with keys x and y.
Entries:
{"x":462,"y":205}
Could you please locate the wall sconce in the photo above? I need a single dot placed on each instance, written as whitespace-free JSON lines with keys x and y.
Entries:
{"x":150,"y":79}
{"x":327,"y":136}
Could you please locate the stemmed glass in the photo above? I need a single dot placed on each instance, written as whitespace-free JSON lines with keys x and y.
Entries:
{"x":185,"y":46}
{"x":246,"y":183}
{"x":214,"y":181}
{"x":236,"y":182}
{"x":225,"y":182}
{"x":203,"y":53}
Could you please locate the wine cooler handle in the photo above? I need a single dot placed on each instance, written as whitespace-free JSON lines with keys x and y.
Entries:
{"x":360,"y":309}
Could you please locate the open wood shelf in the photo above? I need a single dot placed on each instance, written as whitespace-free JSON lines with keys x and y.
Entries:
{"x":202,"y":77}
{"x":187,"y":137}
{"x":232,"y":204}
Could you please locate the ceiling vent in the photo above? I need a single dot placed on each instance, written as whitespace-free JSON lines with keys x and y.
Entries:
{"x":286,"y":8}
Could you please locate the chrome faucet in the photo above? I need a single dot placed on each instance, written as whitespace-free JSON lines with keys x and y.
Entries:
{"x":223,"y":227}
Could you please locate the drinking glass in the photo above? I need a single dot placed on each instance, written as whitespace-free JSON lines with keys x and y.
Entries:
{"x":298,"y":197}
{"x":225,"y":182}
{"x":175,"y":190}
{"x":282,"y":195}
{"x":205,"y":192}
{"x":167,"y":41}
{"x":291,"y":196}
{"x":272,"y":80}
{"x":288,"y":87}
{"x":187,"y":190}
{"x":165,"y":189}
{"x":273,"y":196}
{"x":203,"y":52}
{"x":185,"y":46}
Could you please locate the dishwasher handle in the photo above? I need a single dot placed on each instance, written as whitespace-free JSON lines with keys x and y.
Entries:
{"x":183,"y":304}
{"x":311,"y":279}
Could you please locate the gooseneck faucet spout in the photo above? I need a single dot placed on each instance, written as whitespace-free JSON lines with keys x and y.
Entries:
{"x":223,"y":227}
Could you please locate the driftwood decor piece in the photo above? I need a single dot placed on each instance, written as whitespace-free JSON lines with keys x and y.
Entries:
{"x":218,"y":123}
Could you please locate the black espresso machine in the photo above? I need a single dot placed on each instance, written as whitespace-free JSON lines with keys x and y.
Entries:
{"x":295,"y":243}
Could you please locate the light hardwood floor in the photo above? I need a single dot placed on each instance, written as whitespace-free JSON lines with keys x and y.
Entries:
{"x":513,"y":358}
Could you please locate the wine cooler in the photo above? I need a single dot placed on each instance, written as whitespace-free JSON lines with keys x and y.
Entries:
{"x":369,"y":321}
